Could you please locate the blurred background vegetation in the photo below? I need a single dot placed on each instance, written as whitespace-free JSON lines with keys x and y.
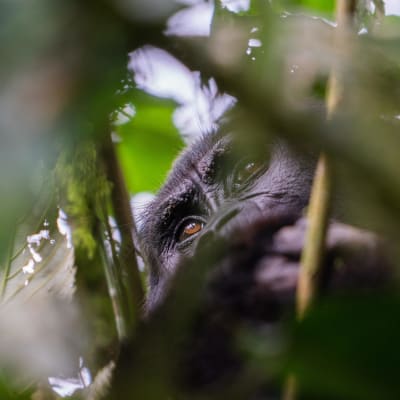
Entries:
{"x":96,"y":100}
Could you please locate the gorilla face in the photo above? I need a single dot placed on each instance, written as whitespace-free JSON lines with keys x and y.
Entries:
{"x":218,"y":185}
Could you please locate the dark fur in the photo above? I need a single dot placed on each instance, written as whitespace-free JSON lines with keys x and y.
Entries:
{"x":197,"y":187}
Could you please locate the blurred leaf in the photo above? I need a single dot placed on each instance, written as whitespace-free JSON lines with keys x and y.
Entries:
{"x":8,"y":392}
{"x":38,"y":284}
{"x":348,"y":348}
{"x":84,"y":191}
{"x":311,"y":7}
{"x":319,"y":6}
{"x":147,"y":10}
{"x":41,"y":257}
{"x":389,"y":27}
{"x":150,"y":142}
{"x":101,"y":383}
{"x":47,"y":267}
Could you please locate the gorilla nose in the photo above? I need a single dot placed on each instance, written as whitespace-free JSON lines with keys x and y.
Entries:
{"x":222,"y":219}
{"x":226,"y":217}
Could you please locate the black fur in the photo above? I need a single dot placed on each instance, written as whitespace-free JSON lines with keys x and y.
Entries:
{"x":200,"y":185}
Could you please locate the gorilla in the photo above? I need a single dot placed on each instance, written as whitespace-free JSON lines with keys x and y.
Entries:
{"x":215,"y":186}
{"x":233,"y":207}
{"x":223,"y":184}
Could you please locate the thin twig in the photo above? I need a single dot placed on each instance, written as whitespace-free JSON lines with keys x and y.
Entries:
{"x":118,"y":295}
{"x":123,"y":215}
{"x":8,"y":263}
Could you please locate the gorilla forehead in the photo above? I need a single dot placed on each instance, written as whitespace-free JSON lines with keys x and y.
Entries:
{"x":193,"y":170}
{"x":197,"y":163}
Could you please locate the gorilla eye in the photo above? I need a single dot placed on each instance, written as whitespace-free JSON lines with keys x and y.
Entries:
{"x":189,"y":228}
{"x":244,"y":171}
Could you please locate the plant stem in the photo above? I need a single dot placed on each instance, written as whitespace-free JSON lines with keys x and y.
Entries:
{"x":313,"y":253}
{"x":129,"y":271}
{"x":318,"y":212}
{"x":8,"y":262}
{"x":320,"y":199}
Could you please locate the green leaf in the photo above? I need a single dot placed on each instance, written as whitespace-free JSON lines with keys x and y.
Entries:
{"x":9,"y":392}
{"x":348,"y":348}
{"x":150,"y":142}
{"x":325,"y":7}
{"x":320,"y":6}
{"x":390,"y":27}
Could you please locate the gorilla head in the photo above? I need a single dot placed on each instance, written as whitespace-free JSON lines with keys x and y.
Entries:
{"x":221,"y":183}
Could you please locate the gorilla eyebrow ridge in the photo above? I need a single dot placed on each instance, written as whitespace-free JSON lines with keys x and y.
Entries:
{"x":207,"y":166}
{"x":190,"y":173}
{"x":180,"y":198}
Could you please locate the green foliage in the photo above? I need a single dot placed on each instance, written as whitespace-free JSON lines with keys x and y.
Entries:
{"x":314,"y":7}
{"x":9,"y":392}
{"x":390,"y":27}
{"x":151,"y":127}
{"x":84,"y":194}
{"x":346,"y":348}
{"x":85,"y":191}
{"x":62,"y":64}
{"x":319,"y":6}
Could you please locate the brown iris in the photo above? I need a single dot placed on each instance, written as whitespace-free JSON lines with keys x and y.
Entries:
{"x":191,"y":228}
